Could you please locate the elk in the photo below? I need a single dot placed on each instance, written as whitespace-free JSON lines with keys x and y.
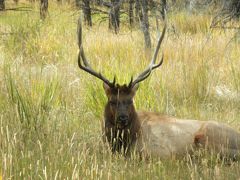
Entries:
{"x":150,"y":133}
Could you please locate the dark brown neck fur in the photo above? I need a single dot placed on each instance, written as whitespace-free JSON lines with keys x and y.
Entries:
{"x":121,"y":140}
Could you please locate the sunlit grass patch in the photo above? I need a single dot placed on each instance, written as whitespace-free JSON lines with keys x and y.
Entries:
{"x":51,"y":111}
{"x":190,"y":23}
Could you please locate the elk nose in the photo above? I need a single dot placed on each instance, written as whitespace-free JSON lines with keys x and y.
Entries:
{"x":122,"y":118}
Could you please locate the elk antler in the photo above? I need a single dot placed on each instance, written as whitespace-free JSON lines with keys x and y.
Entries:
{"x":152,"y":64}
{"x":82,"y":59}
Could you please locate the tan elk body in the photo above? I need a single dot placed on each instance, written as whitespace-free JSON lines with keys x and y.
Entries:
{"x":150,"y":133}
{"x":167,"y":137}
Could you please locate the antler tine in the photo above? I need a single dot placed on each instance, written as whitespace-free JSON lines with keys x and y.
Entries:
{"x":152,"y":64}
{"x":86,"y":66}
{"x":145,"y":74}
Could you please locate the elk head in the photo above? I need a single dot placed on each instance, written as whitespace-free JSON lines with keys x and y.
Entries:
{"x":119,"y":109}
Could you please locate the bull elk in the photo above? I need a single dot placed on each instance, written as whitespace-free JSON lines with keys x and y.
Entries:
{"x":150,"y":133}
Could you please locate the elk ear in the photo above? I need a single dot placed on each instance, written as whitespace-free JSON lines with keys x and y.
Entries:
{"x":135,"y":88}
{"x":106,"y":88}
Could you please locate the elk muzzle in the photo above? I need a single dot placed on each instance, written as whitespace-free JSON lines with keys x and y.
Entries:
{"x":122,"y":121}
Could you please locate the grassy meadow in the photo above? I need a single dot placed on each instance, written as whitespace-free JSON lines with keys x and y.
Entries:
{"x":51,"y":111}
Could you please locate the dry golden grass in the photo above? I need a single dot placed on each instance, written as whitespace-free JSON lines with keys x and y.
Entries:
{"x":51,"y":112}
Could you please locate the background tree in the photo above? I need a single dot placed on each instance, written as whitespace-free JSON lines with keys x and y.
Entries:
{"x":143,"y":15}
{"x":114,"y":15}
{"x":87,"y":12}
{"x":137,"y":10}
{"x":2,"y":5}
{"x":77,"y":2}
{"x":230,"y":10}
{"x":16,"y":1}
{"x":234,"y":8}
{"x":164,"y":8}
{"x":130,"y":13}
{"x":43,"y":8}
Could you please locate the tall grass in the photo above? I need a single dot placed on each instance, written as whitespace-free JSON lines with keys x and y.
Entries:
{"x":51,"y":112}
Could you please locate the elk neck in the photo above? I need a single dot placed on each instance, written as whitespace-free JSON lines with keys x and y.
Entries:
{"x":121,"y":138}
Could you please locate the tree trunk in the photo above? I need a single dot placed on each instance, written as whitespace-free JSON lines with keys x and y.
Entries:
{"x":152,"y":5}
{"x":2,"y":5}
{"x":235,"y":6}
{"x":77,"y":2}
{"x":98,"y":2}
{"x":43,"y":9}
{"x":131,"y":17}
{"x":137,"y":10}
{"x":164,"y":8}
{"x":16,"y":1}
{"x":114,"y":15}
{"x":87,"y":12}
{"x":144,"y":22}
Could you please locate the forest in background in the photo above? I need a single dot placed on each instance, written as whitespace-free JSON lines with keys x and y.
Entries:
{"x":51,"y":112}
{"x":136,"y":13}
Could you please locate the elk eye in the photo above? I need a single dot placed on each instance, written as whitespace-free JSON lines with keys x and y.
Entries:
{"x":113,"y":103}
